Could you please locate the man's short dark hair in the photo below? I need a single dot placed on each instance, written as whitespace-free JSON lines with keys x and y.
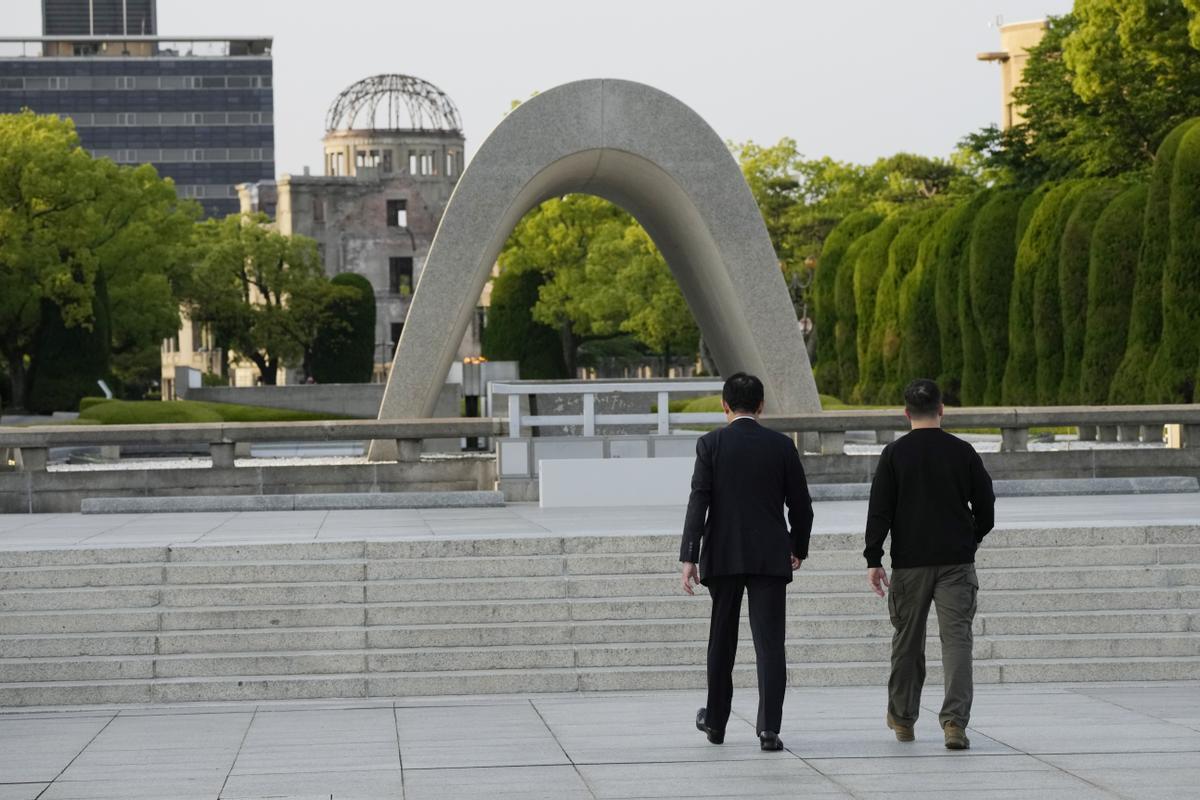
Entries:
{"x":743,"y":393}
{"x":922,"y":398}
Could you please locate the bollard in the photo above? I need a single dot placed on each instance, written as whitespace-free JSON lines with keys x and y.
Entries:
{"x":223,"y":454}
{"x":1014,"y":440}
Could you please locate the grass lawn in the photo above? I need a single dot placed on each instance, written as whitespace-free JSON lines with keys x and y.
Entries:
{"x":145,"y":412}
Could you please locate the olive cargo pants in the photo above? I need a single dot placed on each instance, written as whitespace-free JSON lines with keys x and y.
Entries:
{"x":953,"y":590}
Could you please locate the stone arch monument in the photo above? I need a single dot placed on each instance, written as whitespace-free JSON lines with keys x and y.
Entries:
{"x":650,"y":154}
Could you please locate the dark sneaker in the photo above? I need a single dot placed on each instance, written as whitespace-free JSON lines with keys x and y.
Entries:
{"x":956,"y":737}
{"x":904,"y":733}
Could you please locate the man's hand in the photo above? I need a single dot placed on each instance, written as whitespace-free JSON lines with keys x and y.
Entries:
{"x":691,"y":576}
{"x":796,"y":562}
{"x":877,"y":577}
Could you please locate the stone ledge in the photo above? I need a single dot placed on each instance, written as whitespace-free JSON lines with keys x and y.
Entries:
{"x":1052,"y":487}
{"x":292,"y":502}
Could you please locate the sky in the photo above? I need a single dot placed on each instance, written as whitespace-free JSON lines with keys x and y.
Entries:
{"x":850,"y":79}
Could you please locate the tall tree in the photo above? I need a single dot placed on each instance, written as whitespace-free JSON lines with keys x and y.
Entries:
{"x":65,"y":219}
{"x":1173,"y":371}
{"x":1131,"y":383}
{"x":262,"y":292}
{"x":825,"y":317}
{"x":992,"y":253}
{"x":1111,"y":274}
{"x":1074,"y":259}
{"x":952,"y":263}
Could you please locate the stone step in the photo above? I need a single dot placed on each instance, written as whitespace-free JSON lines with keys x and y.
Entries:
{"x":324,"y":570}
{"x":807,"y":583}
{"x":625,"y":678}
{"x":694,"y":629}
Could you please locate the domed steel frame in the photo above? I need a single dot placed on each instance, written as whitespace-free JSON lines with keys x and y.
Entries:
{"x":393,"y":102}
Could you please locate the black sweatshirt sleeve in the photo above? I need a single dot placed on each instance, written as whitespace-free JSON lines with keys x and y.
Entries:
{"x":881,"y":509}
{"x":983,"y":499}
{"x":698,"y":502}
{"x":799,"y":503}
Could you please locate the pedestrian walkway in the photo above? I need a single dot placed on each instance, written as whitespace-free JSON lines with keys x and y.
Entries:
{"x":35,"y":531}
{"x":1126,"y":740}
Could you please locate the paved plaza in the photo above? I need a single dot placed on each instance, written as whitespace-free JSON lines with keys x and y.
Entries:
{"x":32,"y":531}
{"x":1038,"y":741}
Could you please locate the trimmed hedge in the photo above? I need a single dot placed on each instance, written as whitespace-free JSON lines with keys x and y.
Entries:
{"x":950,"y":261}
{"x":846,"y":327}
{"x":1111,"y":273}
{"x":511,"y":333}
{"x":825,"y":314}
{"x":992,"y":251}
{"x":1172,"y":376}
{"x":1037,"y":252}
{"x":348,"y":356}
{"x":885,"y":341}
{"x":1074,"y":260}
{"x":872,"y":262}
{"x":1130,"y":384}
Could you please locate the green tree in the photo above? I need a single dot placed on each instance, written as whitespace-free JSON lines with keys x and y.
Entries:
{"x":511,"y":332}
{"x":1074,"y":259}
{"x":872,"y":262}
{"x":1116,"y":240}
{"x":1131,"y":383}
{"x":883,"y":357}
{"x":65,"y":219}
{"x":603,"y":278}
{"x":825,"y":316}
{"x":344,"y":349}
{"x":1106,"y":84}
{"x":1037,"y":254}
{"x":1173,"y":372}
{"x":950,"y":261}
{"x":846,"y":328}
{"x":263,"y":293}
{"x":992,"y":253}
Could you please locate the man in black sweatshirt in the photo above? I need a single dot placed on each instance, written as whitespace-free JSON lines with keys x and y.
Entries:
{"x":933,"y":494}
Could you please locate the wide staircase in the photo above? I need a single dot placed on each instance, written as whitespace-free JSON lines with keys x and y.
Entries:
{"x":555,"y":614}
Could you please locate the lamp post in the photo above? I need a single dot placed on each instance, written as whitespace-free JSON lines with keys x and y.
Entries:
{"x":799,"y":283}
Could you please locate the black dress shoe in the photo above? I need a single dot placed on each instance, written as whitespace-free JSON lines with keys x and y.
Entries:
{"x":769,"y":741}
{"x":714,"y":736}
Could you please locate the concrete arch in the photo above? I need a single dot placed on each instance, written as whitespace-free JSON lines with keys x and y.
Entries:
{"x":650,"y":154}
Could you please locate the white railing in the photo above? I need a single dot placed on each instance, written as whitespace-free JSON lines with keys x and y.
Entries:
{"x":662,"y":419}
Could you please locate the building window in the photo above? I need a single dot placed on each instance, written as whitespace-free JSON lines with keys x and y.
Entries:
{"x":413,"y":166}
{"x":337,"y":162}
{"x":318,"y":210}
{"x":366,"y":158}
{"x":387,"y":160}
{"x":397,"y":213}
{"x":397,"y":329}
{"x":427,"y":164}
{"x":197,"y":337}
{"x":451,"y":157}
{"x":400,"y":275}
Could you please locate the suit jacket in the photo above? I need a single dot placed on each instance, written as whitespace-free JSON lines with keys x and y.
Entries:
{"x":744,"y":475}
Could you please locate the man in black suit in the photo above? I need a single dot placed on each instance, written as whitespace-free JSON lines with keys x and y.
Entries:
{"x":735,"y":540}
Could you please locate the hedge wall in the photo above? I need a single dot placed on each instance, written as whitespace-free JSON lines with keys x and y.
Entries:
{"x":872,"y":262}
{"x":846,"y":328}
{"x":1172,"y":377}
{"x":1116,"y":240}
{"x":885,"y":341}
{"x":992,"y":250}
{"x":950,"y":261}
{"x":1131,"y":384}
{"x":1037,"y":252}
{"x":1074,"y":260}
{"x":920,"y":348}
{"x":825,"y":315}
{"x":341,"y":356}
